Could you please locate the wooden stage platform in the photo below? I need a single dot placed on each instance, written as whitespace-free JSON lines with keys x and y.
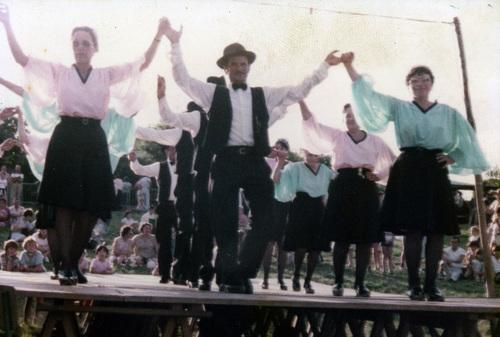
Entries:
{"x":272,"y":311}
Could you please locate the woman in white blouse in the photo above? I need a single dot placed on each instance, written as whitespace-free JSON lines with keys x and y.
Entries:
{"x":77,"y":185}
{"x":351,"y":217}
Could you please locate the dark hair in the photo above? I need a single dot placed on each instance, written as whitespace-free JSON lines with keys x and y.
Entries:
{"x":144,"y":224}
{"x":474,"y":243}
{"x":347,"y":105}
{"x":125,"y":230}
{"x":91,"y":32}
{"x":28,"y":212}
{"x":419,"y":70}
{"x":498,"y":210}
{"x":102,"y":247}
{"x":284,"y":143}
{"x":455,"y":238}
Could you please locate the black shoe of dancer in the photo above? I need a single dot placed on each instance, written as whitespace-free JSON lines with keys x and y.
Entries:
{"x":338,"y":289}
{"x":265,"y":285}
{"x":362,"y":291}
{"x":296,"y":284}
{"x":193,"y":284}
{"x":180,"y":281}
{"x":55,"y":274}
{"x":80,"y":278}
{"x":283,"y":285}
{"x":205,"y":286}
{"x":308,"y":288}
{"x":434,"y":295}
{"x":164,"y":279}
{"x":247,"y":283}
{"x":416,"y":294}
{"x":67,"y":277}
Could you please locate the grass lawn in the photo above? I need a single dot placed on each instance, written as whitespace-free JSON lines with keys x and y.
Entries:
{"x":387,"y":283}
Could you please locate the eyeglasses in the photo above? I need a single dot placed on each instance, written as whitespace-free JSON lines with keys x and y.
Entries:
{"x":85,"y":44}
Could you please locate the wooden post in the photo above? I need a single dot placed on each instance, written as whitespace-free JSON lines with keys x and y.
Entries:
{"x":489,"y":276}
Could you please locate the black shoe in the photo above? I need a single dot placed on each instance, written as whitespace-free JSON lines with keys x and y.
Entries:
{"x":416,"y":294}
{"x":434,"y":295}
{"x":283,"y":285}
{"x":193,"y":284}
{"x":338,"y":289}
{"x":180,"y":281}
{"x":55,"y":274}
{"x":80,"y":278}
{"x":204,"y":286}
{"x":247,"y":283}
{"x":296,"y":284}
{"x":233,"y":288}
{"x":164,"y":279}
{"x":308,"y":288}
{"x":66,"y":278}
{"x":265,"y":285}
{"x":362,"y":291}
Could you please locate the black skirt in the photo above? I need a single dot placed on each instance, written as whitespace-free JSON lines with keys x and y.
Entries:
{"x":77,"y":173}
{"x":352,"y":211}
{"x":305,"y":229}
{"x":280,"y":219}
{"x":418,"y":196}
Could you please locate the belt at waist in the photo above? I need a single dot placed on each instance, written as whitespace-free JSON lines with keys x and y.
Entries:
{"x":238,"y":151}
{"x":353,"y":170}
{"x":419,"y":149}
{"x":80,"y":121}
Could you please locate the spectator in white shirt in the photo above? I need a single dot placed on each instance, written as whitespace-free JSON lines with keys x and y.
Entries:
{"x":453,"y":257}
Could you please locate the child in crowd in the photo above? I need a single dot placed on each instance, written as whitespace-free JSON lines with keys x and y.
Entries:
{"x":23,"y":224}
{"x":9,"y":260}
{"x":473,"y":261}
{"x":31,"y":258}
{"x":474,"y":234}
{"x":122,"y":247}
{"x":494,"y":227}
{"x":100,"y":264}
{"x":42,"y":242}
{"x":128,"y":220}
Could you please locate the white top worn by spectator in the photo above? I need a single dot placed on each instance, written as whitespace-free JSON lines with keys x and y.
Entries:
{"x":455,"y":257}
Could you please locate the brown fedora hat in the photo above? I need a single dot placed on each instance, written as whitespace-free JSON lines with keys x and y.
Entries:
{"x":235,"y":49}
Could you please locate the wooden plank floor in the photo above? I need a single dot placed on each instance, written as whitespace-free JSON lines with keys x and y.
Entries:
{"x":147,"y":289}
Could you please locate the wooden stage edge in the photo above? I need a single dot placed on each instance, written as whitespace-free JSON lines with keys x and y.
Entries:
{"x":209,"y":313}
{"x":147,"y":289}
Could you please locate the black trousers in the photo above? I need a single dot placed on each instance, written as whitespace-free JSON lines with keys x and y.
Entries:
{"x":203,"y":237}
{"x":184,"y":229}
{"x":167,"y":219}
{"x":230,"y":173}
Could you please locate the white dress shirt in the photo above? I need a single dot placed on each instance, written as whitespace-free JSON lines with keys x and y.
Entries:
{"x":241,"y":133}
{"x":153,"y":170}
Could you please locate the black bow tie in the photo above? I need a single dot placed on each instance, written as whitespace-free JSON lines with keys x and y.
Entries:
{"x":241,"y":86}
{"x":172,"y":163}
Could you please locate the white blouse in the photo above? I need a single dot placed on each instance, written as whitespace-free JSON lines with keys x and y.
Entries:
{"x":47,"y":82}
{"x":371,"y":153}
